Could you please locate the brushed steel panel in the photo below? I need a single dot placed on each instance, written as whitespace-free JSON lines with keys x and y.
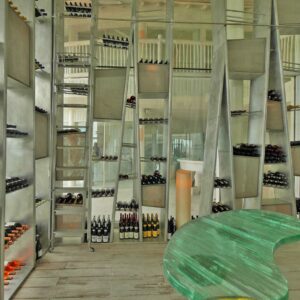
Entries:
{"x":41,"y":135}
{"x":109,"y":88}
{"x":246,"y":58}
{"x":18,"y":46}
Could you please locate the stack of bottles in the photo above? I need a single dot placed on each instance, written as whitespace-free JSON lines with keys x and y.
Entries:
{"x":276,"y":179}
{"x":246,"y":150}
{"x":115,"y":42}
{"x":151,"y":227}
{"x":78,"y":9}
{"x":274,"y":154}
{"x":221,"y":183}
{"x":80,"y":90}
{"x":156,"y":178}
{"x":40,"y":12}
{"x":12,"y":231}
{"x":16,"y":10}
{"x":171,"y":227}
{"x":100,"y":229}
{"x":15,"y":183}
{"x":218,"y":207}
{"x":153,"y":121}
{"x":11,"y":269}
{"x":127,"y":206}
{"x":38,"y":65}
{"x":129,"y":226}
{"x":295,"y":143}
{"x":158,"y":158}
{"x":66,"y":131}
{"x":40,"y":110}
{"x":131,"y":102}
{"x":108,"y":192}
{"x":238,"y":112}
{"x":12,"y":131}
{"x":69,"y":198}
{"x":274,"y":95}
{"x":151,"y":61}
{"x":68,"y":58}
{"x":108,"y":157}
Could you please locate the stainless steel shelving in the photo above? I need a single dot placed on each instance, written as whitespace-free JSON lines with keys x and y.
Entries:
{"x":70,"y":144}
{"x":257,"y":61}
{"x":17,"y":100}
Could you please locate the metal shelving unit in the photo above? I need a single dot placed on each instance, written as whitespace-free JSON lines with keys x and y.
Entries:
{"x":17,"y":98}
{"x":109,"y":91}
{"x":154,"y":82}
{"x":43,"y":92}
{"x":257,"y":62}
{"x":69,"y":139}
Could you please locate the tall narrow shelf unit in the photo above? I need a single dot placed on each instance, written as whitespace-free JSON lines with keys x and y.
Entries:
{"x":17,"y":84}
{"x":108,"y":111}
{"x":43,"y":93}
{"x":153,"y":82}
{"x":69,"y":136}
{"x":257,"y":63}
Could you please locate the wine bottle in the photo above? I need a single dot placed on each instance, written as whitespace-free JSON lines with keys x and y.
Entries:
{"x":136,"y":228}
{"x":38,"y":247}
{"x":121,"y":228}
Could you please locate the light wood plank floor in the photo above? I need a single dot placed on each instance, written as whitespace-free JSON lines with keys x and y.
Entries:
{"x":122,"y":271}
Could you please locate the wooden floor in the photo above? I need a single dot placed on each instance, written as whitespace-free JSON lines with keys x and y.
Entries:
{"x":122,"y":271}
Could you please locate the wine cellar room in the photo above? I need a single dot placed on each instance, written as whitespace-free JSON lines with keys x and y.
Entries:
{"x":149,"y":149}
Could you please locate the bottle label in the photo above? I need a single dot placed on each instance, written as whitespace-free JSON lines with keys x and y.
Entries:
{"x":149,"y":233}
{"x":145,"y":234}
{"x":136,"y":235}
{"x":105,"y":239}
{"x":94,"y":238}
{"x":131,"y":235}
{"x":126,"y":235}
{"x":154,"y":234}
{"x":99,"y":239}
{"x":122,"y":235}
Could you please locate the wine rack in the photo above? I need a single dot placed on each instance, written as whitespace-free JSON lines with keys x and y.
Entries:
{"x":17,"y":97}
{"x":70,"y":145}
{"x":108,"y":119}
{"x":255,"y":60}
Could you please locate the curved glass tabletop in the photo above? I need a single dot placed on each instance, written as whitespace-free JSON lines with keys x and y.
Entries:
{"x":230,"y":255}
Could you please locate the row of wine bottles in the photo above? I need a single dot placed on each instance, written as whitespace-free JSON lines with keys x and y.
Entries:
{"x":38,"y":65}
{"x":12,"y":231}
{"x":16,"y":10}
{"x":246,"y":150}
{"x":12,"y":131}
{"x":221,"y":183}
{"x":274,"y":154}
{"x":277,"y":179}
{"x":70,"y":198}
{"x":67,"y":131}
{"x":127,"y":206}
{"x":75,"y":90}
{"x":11,"y":269}
{"x":40,"y":110}
{"x":15,"y":183}
{"x":100,"y":229}
{"x":116,"y":42}
{"x":108,"y":157}
{"x":151,"y":227}
{"x":108,"y":192}
{"x":153,"y":121}
{"x":78,"y":9}
{"x":218,"y":207}
{"x":151,"y":61}
{"x":129,"y":226}
{"x":158,"y":158}
{"x":156,"y":178}
{"x":123,"y":176}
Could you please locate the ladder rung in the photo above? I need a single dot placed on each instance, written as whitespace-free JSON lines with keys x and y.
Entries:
{"x":70,"y":189}
{"x":73,"y":105}
{"x":70,"y":168}
{"x":70,"y":147}
{"x":70,"y":211}
{"x":129,"y":145}
{"x":69,"y":233}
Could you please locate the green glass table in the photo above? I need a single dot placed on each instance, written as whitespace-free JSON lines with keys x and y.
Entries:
{"x":230,"y":255}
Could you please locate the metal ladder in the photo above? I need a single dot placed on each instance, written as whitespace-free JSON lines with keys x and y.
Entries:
{"x":69,"y":141}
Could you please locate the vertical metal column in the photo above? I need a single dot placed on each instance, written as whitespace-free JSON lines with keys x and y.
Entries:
{"x":3,"y":109}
